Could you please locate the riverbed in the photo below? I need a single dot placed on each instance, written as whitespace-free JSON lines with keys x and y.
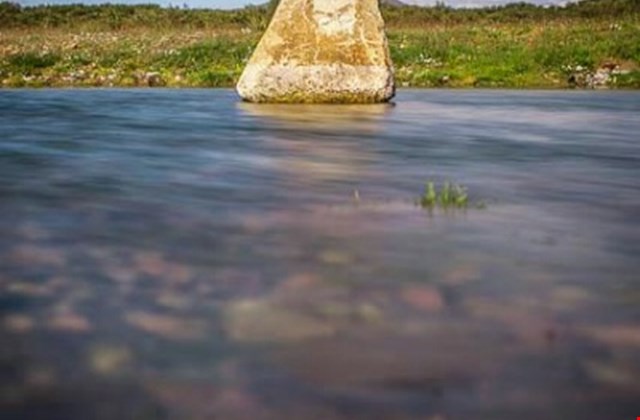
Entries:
{"x":179,"y":254}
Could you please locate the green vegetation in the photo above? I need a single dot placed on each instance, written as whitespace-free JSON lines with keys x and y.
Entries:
{"x":589,"y":44}
{"x":448,"y":196}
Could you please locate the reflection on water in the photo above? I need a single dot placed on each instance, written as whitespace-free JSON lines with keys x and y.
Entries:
{"x":209,"y":260}
{"x":331,"y":117}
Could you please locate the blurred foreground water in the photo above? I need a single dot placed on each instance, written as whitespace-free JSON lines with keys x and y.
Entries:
{"x":175,"y":254}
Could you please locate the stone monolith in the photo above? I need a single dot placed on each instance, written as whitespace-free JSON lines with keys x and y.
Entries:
{"x":317,"y":51}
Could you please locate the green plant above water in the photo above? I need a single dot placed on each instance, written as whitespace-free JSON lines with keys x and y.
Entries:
{"x":450,"y":195}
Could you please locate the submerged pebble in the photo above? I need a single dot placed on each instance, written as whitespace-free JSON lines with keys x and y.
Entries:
{"x":423,"y":298}
{"x":611,"y":373}
{"x":173,"y":300}
{"x":167,"y":326}
{"x":40,"y":376}
{"x":334,"y":257}
{"x":38,"y":255}
{"x":28,"y":289}
{"x":569,"y":297}
{"x":18,"y":323}
{"x":615,"y":335}
{"x":461,"y":274}
{"x":108,"y":359}
{"x":69,"y":322}
{"x":255,"y":320}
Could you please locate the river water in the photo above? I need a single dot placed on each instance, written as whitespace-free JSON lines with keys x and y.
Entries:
{"x":177,"y":254}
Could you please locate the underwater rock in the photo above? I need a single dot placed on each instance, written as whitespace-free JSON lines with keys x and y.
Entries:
{"x":255,"y":320}
{"x":18,"y":323}
{"x":109,"y":359}
{"x":167,"y":326}
{"x":615,"y":336}
{"x":69,"y":321}
{"x":423,"y":298}
{"x":321,"y":51}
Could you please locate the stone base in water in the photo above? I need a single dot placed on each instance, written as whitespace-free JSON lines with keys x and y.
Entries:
{"x":321,"y":51}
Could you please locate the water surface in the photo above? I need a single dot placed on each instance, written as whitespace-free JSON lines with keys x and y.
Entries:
{"x":177,"y":254}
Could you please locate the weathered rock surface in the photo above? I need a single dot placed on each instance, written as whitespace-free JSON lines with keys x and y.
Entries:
{"x":603,"y":77}
{"x":321,"y":51}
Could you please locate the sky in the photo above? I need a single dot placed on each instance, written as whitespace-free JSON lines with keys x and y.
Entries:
{"x":231,"y":4}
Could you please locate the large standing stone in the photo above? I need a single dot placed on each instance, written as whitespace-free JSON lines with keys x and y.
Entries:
{"x":321,"y":51}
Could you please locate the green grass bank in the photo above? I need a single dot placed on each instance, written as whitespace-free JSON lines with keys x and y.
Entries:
{"x":593,"y":43}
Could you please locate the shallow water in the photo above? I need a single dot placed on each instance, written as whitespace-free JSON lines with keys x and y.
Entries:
{"x":178,"y":254}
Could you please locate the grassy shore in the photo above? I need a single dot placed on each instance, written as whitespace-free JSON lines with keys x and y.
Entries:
{"x":595,"y":43}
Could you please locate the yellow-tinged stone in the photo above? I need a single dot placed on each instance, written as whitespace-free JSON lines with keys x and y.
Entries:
{"x":265,"y":320}
{"x":109,"y":359}
{"x":318,"y":51}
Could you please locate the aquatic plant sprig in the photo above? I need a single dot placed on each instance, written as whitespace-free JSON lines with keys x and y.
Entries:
{"x":450,"y":195}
